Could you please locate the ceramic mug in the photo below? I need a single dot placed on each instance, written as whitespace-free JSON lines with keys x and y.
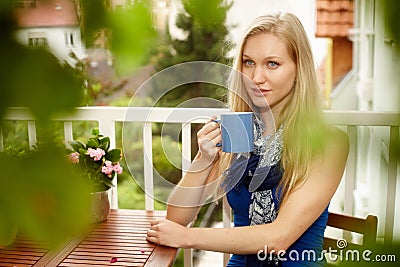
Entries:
{"x":237,"y":132}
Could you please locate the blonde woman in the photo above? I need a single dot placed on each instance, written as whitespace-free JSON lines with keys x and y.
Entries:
{"x":299,"y":157}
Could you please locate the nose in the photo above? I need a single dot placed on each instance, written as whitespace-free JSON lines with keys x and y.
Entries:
{"x":259,"y":75}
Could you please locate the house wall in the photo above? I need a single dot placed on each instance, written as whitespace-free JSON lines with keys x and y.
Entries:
{"x":386,"y":68}
{"x":56,"y":41}
{"x":377,"y":68}
{"x":386,"y":94}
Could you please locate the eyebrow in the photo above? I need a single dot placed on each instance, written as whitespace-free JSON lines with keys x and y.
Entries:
{"x":269,"y":57}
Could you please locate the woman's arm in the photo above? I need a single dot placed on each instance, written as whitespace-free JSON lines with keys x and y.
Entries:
{"x":191,"y":192}
{"x":302,"y":207}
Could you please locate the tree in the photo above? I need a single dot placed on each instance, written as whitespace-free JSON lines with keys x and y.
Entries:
{"x":203,"y":23}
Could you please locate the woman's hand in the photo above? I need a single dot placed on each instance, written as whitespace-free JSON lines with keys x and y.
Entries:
{"x":168,"y":233}
{"x":208,"y":137}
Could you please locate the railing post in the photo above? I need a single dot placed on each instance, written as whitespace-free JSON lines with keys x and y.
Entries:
{"x":68,"y":133}
{"x":148,"y":166}
{"x":350,"y":177}
{"x":391,"y":185}
{"x":186,"y":161}
{"x":107,"y":128}
{"x":32,"y":134}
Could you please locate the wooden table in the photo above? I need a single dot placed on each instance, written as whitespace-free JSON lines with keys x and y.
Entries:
{"x":119,"y":241}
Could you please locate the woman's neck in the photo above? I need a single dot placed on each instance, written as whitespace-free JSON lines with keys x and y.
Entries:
{"x":271,"y":121}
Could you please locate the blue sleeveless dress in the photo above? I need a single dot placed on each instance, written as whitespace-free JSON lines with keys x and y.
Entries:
{"x":306,"y":251}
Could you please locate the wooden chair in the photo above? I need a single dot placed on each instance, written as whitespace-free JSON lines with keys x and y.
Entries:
{"x":367,"y":227}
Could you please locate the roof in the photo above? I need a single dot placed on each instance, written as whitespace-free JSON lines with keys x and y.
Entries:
{"x":334,"y":17}
{"x":47,"y":13}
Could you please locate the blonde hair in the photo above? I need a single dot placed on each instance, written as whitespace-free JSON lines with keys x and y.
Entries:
{"x":302,"y":115}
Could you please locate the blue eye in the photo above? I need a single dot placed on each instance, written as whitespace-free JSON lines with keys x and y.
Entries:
{"x":273,"y":64}
{"x":248,"y":62}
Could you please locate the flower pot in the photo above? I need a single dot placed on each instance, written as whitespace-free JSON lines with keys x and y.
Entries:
{"x":100,"y":206}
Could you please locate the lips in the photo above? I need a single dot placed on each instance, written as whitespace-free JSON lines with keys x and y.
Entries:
{"x":260,"y":91}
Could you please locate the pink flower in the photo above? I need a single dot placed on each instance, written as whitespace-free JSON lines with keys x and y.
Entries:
{"x":74,"y":157}
{"x":117,"y":168}
{"x":107,"y":168}
{"x":97,"y":153}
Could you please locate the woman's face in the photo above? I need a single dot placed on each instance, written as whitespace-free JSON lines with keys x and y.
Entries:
{"x":267,"y":63}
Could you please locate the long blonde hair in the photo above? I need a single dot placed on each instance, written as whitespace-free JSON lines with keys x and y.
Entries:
{"x":303,"y":118}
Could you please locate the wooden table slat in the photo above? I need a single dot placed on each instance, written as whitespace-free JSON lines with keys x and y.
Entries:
{"x":139,"y":255}
{"x":101,"y":265}
{"x":122,"y":238}
{"x":117,"y":248}
{"x":15,"y":261}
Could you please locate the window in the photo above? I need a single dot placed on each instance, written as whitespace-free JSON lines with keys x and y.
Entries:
{"x":69,"y":39}
{"x":37,"y":42}
{"x":37,"y":39}
{"x":24,"y":3}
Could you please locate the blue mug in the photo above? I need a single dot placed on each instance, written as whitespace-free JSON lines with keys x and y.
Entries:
{"x":237,"y":132}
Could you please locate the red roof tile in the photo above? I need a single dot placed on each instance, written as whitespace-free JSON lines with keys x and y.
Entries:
{"x":334,"y":17}
{"x":48,"y":13}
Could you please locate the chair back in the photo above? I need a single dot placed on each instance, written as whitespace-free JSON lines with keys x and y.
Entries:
{"x":367,"y":227}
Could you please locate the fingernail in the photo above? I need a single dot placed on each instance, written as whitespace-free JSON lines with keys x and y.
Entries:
{"x":219,"y":144}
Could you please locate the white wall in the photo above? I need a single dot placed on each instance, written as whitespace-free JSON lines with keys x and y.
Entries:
{"x":56,"y":41}
{"x":386,"y":94}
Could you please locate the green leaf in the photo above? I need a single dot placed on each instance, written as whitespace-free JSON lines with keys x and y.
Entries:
{"x":76,"y":145}
{"x":92,"y":143}
{"x":114,"y":155}
{"x":82,"y":151}
{"x":105,"y":143}
{"x":107,"y":181}
{"x":95,"y":132}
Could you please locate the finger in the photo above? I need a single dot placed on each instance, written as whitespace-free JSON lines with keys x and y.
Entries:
{"x":153,"y":222}
{"x":155,"y":227}
{"x":151,"y":239}
{"x":218,"y":141}
{"x":207,"y":129}
{"x":152,"y":233}
{"x":214,"y":133}
{"x":213,"y":118}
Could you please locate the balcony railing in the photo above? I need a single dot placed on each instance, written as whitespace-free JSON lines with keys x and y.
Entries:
{"x":356,"y":123}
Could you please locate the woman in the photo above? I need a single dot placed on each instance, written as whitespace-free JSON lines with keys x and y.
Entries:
{"x":301,"y":163}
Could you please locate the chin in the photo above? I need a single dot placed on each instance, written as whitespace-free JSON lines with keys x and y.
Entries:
{"x":260,"y":103}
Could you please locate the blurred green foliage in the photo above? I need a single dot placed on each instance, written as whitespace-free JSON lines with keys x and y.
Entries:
{"x":392,"y":11}
{"x":38,"y":197}
{"x":132,"y":35}
{"x":42,"y":197}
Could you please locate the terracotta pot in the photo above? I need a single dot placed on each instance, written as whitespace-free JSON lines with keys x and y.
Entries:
{"x":100,"y":206}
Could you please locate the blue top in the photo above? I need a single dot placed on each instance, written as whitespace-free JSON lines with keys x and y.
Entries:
{"x":306,"y":251}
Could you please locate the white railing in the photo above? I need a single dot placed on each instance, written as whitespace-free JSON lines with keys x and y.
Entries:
{"x":352,"y":121}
